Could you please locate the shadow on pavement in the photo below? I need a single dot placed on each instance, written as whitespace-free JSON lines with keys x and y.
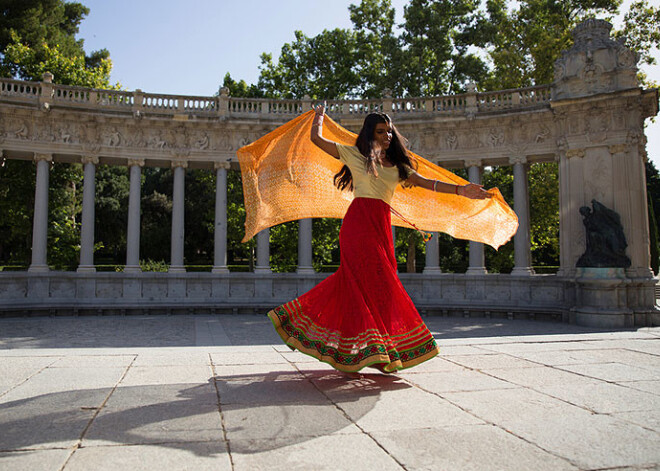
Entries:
{"x":259,"y":412}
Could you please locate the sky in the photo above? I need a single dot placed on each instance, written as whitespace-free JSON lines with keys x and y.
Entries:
{"x":186,"y":48}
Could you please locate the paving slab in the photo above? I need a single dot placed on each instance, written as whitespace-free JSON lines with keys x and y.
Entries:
{"x":399,"y":409}
{"x":614,"y":371}
{"x":463,"y":380}
{"x":212,"y":456}
{"x":468,"y":447}
{"x":296,"y":422}
{"x":325,"y":453}
{"x":34,"y":460}
{"x":491,"y":361}
{"x":587,"y":440}
{"x":603,"y":398}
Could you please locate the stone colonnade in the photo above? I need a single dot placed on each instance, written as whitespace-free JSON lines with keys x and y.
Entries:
{"x":40,"y":223}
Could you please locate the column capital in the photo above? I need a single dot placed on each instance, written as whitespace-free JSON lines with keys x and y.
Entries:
{"x":473,"y":162}
{"x":179,"y":163}
{"x":89,"y":159}
{"x":219,"y":165}
{"x":618,"y":149}
{"x":570,"y":153}
{"x":134,"y":162}
{"x":518,"y":159}
{"x":40,"y":156}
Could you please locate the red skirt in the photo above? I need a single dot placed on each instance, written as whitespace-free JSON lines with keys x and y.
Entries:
{"x":360,"y":315}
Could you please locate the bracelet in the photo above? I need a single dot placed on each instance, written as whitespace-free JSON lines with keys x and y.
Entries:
{"x":435,"y":182}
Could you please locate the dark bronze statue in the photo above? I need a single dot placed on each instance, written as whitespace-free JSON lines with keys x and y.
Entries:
{"x":606,"y":242}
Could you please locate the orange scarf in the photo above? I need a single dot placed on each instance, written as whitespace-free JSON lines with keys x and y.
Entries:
{"x":286,"y":177}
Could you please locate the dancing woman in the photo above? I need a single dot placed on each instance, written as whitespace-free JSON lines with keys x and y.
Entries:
{"x":361,"y":316}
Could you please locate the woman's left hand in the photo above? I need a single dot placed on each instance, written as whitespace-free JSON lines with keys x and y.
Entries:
{"x":473,"y":191}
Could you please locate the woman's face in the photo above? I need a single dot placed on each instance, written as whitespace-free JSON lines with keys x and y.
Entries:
{"x":383,"y":135}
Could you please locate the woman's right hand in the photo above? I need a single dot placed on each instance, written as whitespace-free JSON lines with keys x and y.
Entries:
{"x":320,"y":109}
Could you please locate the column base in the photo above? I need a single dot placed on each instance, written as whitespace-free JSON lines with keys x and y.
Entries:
{"x":132,"y":269}
{"x":431,"y":270}
{"x":305,"y":270}
{"x":263,"y":270}
{"x":476,"y":271}
{"x":38,"y":269}
{"x":522,"y":271}
{"x":86,"y":269}
{"x":176,"y":269}
{"x":221,"y":270}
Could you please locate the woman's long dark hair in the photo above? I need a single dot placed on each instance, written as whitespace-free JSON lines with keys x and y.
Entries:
{"x":396,"y":153}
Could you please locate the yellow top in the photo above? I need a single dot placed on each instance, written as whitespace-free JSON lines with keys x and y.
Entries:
{"x":366,"y":185}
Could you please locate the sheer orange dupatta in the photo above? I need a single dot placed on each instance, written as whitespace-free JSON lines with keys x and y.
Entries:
{"x":286,"y":177}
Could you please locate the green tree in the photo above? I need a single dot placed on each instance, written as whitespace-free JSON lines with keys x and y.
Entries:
{"x":112,"y":189}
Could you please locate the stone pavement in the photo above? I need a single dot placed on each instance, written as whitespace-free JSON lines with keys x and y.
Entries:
{"x":205,"y":392}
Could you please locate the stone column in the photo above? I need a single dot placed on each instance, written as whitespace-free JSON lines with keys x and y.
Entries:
{"x":305,"y":247}
{"x":89,"y":202}
{"x":40,"y":221}
{"x":178,"y":198}
{"x":133,"y":230}
{"x":571,"y":230}
{"x":630,"y":201}
{"x":522,"y":245}
{"x":476,"y":257}
{"x":263,"y":252}
{"x":432,"y":255}
{"x":220,"y":234}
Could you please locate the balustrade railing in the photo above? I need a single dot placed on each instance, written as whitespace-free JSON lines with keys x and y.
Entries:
{"x":20,"y":89}
{"x":64,"y":95}
{"x":514,"y":98}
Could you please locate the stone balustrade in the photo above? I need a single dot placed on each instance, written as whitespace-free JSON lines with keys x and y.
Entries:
{"x":64,"y":96}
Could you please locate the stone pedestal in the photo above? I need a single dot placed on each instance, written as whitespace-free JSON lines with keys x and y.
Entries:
{"x":601,"y":298}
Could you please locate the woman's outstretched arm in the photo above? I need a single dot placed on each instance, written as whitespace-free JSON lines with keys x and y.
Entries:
{"x":470,"y":190}
{"x":321,"y":142}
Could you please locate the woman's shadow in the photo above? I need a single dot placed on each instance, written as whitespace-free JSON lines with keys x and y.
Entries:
{"x":255,"y":412}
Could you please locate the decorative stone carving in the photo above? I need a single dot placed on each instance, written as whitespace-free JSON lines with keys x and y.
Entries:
{"x":133,"y":162}
{"x":606,"y":242}
{"x":46,"y":157}
{"x":179,"y":163}
{"x":473,"y":163}
{"x":202,"y":142}
{"x":451,"y":140}
{"x":89,"y":159}
{"x":595,"y":64}
{"x":218,"y":165}
{"x":597,"y":125}
{"x":618,"y":149}
{"x":495,"y":137}
{"x":542,"y":134}
{"x":518,"y":159}
{"x":575,"y":153}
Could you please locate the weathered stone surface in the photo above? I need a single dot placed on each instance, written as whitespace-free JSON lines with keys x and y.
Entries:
{"x":585,"y":439}
{"x":34,"y":460}
{"x":201,"y":456}
{"x":295,"y":422}
{"x":326,"y":453}
{"x":468,"y":447}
